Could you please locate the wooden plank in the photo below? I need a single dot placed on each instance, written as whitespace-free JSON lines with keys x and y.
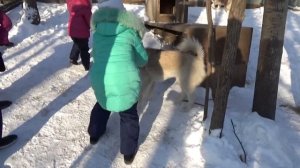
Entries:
{"x":134,"y":1}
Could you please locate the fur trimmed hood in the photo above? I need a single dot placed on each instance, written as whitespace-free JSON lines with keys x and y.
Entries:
{"x":111,"y":3}
{"x":113,"y":15}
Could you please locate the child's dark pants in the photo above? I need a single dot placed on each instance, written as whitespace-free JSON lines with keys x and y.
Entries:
{"x":129,"y":127}
{"x":81,"y":47}
{"x":1,"y":123}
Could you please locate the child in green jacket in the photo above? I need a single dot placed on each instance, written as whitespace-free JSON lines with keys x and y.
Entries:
{"x":118,"y":53}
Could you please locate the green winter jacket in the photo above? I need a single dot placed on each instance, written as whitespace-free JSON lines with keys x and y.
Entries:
{"x":118,"y":53}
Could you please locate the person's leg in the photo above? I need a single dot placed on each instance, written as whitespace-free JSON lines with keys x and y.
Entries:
{"x":4,"y":37}
{"x":7,"y":140}
{"x":1,"y":124}
{"x":75,"y":51}
{"x":2,"y":65}
{"x":83,"y":45}
{"x":4,"y":104}
{"x":129,"y":130}
{"x":98,"y":122}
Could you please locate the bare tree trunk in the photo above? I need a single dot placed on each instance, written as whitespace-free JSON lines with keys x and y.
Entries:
{"x":236,"y":16}
{"x":270,"y":53}
{"x":210,"y":55}
{"x":32,"y":12}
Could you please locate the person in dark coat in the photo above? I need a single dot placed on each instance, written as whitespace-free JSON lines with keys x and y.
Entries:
{"x":79,"y":30}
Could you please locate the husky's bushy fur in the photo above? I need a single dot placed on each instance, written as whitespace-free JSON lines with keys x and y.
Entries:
{"x":186,"y":64}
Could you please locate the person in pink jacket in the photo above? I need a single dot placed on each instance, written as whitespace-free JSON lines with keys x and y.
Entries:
{"x":5,"y":26}
{"x":79,"y":30}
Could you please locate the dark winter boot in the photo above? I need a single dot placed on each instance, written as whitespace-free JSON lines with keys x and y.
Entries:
{"x":128,"y":159}
{"x":94,"y":140}
{"x":4,"y":104}
{"x":10,"y":44}
{"x":2,"y":65}
{"x":7,"y":141}
{"x":98,"y":121}
{"x":74,"y":62}
{"x":85,"y":59}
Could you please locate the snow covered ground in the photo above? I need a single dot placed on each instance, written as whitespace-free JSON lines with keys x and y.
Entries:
{"x":52,"y":102}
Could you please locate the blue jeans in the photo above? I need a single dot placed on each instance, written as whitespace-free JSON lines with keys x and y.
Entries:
{"x":129,"y":127}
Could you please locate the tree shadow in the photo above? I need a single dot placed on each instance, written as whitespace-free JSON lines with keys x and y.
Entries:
{"x":105,"y":151}
{"x":33,"y":125}
{"x":170,"y":130}
{"x":292,"y":45}
{"x":33,"y":55}
{"x":152,"y":110}
{"x":36,"y":75}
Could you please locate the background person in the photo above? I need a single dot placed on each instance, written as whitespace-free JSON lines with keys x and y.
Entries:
{"x":79,"y":30}
{"x":5,"y":27}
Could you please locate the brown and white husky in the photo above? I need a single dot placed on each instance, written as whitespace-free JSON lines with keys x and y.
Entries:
{"x":186,"y":64}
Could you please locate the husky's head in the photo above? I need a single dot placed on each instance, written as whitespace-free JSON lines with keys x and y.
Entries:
{"x":221,"y":3}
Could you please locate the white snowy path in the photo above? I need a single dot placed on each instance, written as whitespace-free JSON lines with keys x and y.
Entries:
{"x":52,"y":102}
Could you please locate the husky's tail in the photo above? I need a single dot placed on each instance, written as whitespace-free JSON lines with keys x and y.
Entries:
{"x":191,"y":45}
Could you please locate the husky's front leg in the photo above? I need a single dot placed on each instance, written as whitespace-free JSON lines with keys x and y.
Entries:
{"x":191,"y":101}
{"x":189,"y":93}
{"x":181,"y":101}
